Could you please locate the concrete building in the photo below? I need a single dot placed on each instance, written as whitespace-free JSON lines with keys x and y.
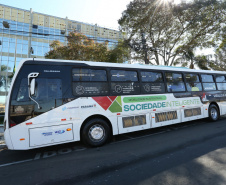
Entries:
{"x":25,"y":34}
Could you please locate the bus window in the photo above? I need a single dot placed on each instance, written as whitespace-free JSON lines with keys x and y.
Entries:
{"x":48,"y":94}
{"x":89,"y":82}
{"x":221,"y":82}
{"x":208,"y":83}
{"x":151,"y":76}
{"x":88,"y":75}
{"x":23,"y":91}
{"x":122,"y":76}
{"x":124,"y":82}
{"x":152,"y":82}
{"x":207,"y":78}
{"x":47,"y":89}
{"x":175,"y":82}
{"x":193,"y":83}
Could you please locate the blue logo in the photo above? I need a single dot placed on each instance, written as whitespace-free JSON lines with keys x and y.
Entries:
{"x":59,"y":132}
{"x":64,"y":108}
{"x":47,"y":134}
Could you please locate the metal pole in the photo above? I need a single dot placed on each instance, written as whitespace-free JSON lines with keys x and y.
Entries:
{"x":15,"y":56}
{"x":30,"y":34}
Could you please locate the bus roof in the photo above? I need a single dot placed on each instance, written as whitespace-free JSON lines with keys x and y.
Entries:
{"x":120,"y":65}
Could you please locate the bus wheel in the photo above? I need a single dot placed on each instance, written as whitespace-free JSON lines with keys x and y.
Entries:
{"x":96,"y":132}
{"x":213,"y":113}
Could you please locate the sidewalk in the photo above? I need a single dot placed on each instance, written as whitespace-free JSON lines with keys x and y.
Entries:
{"x":2,"y":141}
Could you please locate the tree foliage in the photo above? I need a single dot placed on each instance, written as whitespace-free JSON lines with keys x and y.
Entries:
{"x":190,"y":60}
{"x":173,"y":28}
{"x":82,"y":48}
{"x":219,"y":62}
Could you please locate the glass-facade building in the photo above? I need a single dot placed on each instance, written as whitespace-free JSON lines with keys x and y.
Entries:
{"x":28,"y":34}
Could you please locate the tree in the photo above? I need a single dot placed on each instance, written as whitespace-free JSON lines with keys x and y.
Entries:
{"x":80,"y":47}
{"x":219,"y":62}
{"x":169,"y":26}
{"x":188,"y":59}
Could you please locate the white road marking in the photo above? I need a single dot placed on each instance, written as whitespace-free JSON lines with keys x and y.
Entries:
{"x":17,"y":162}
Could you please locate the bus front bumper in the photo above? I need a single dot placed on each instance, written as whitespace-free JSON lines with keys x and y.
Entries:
{"x":8,"y":139}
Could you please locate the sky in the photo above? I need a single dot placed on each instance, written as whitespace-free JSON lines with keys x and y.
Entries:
{"x":104,"y":13}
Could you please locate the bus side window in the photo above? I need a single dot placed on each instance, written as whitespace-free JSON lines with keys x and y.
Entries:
{"x":124,"y":82}
{"x":193,"y":82}
{"x":152,"y":82}
{"x":221,"y":82}
{"x":208,"y":82}
{"x":175,"y":82}
{"x":89,"y":82}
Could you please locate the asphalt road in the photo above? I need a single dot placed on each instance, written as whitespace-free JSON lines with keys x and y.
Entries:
{"x":188,"y":153}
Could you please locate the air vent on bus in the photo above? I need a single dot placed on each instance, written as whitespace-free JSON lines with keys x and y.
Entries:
{"x":134,"y":121}
{"x":192,"y":112}
{"x":165,"y":116}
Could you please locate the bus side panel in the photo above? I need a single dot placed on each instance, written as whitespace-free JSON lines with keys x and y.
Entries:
{"x":51,"y":135}
{"x":89,"y":107}
{"x":20,"y":137}
{"x":131,"y":123}
{"x":222,"y":106}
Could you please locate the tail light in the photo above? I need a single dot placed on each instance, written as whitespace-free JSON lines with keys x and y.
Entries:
{"x":12,"y":125}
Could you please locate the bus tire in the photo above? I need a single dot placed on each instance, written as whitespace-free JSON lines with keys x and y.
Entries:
{"x":96,"y":132}
{"x":213,"y":112}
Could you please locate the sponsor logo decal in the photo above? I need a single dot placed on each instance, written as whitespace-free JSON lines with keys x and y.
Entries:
{"x":59,"y":132}
{"x":51,"y":71}
{"x":145,"y":106}
{"x":114,"y":103}
{"x":65,"y":108}
{"x":111,"y":103}
{"x":88,"y":106}
{"x":143,"y":99}
{"x":47,"y":133}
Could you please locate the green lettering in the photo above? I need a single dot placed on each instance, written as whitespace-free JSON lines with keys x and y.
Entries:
{"x":145,"y":106}
{"x":126,"y":108}
{"x":154,"y":105}
{"x":132,"y":107}
{"x":149,"y":106}
{"x":163,"y":104}
{"x":168,"y":104}
{"x":137,"y":106}
{"x":159,"y":105}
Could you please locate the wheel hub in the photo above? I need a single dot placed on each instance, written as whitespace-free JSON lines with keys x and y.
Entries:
{"x":214,"y":114}
{"x":96,"y":132}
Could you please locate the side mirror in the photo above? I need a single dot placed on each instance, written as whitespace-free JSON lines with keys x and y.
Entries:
{"x":32,"y":87}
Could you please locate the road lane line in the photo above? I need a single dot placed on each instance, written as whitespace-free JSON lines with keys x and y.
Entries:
{"x":8,"y":164}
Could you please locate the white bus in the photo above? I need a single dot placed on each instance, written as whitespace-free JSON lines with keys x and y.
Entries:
{"x":56,"y":101}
